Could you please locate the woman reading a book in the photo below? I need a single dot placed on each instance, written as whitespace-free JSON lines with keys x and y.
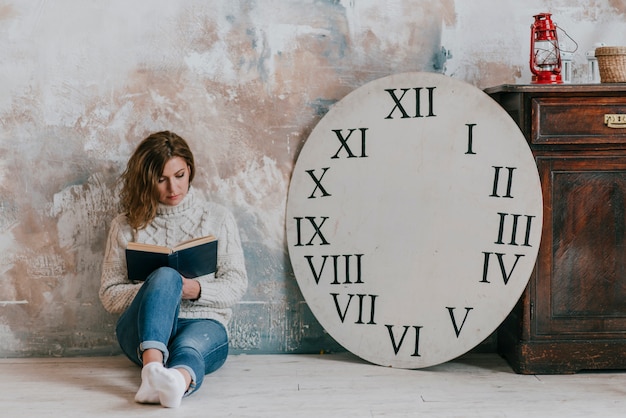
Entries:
{"x":173,"y":326}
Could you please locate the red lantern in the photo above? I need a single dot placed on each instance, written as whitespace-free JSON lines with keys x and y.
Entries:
{"x":545,"y":56}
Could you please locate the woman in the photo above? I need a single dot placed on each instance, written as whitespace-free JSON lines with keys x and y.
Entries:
{"x":173,"y":326}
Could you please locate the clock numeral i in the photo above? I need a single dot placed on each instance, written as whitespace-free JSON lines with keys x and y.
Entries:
{"x":415,"y":103}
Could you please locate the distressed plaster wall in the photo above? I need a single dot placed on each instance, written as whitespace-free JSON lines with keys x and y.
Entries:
{"x":81,"y":82}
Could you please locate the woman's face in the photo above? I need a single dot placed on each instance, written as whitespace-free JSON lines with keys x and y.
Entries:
{"x":173,"y":184}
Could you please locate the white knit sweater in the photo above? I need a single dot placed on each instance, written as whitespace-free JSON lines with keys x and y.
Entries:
{"x":193,"y":217}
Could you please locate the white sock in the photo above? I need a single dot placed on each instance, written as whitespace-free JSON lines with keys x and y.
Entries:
{"x":146,"y":393}
{"x":169,"y":384}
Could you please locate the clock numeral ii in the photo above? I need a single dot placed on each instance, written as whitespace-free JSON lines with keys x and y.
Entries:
{"x":412,"y":106}
{"x":496,"y":182}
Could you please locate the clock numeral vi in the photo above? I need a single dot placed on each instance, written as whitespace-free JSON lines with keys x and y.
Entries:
{"x":397,"y":345}
{"x":415,"y":104}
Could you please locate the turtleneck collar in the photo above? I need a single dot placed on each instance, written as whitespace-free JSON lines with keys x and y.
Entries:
{"x":186,"y":203}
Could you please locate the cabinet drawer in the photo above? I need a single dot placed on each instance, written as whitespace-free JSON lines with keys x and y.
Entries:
{"x":578,"y":120}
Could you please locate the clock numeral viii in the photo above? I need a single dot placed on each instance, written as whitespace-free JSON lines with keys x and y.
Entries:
{"x":317,"y":273}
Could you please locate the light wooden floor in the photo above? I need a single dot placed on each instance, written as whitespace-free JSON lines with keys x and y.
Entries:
{"x":337,"y":385}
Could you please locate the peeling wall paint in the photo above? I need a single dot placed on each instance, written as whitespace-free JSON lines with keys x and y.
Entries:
{"x":82,"y":82}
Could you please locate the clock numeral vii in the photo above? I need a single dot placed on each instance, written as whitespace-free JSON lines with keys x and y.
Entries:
{"x":362,"y":298}
{"x":415,"y":103}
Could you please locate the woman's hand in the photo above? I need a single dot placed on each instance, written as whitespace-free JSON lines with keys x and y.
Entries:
{"x":191,"y":289}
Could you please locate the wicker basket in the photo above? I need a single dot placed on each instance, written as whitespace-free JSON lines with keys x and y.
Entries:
{"x":612,"y":63}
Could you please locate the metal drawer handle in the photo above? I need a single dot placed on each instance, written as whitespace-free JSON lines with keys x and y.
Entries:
{"x":615,"y":121}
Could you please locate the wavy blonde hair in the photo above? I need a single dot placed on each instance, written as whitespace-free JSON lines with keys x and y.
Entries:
{"x":139,"y":195}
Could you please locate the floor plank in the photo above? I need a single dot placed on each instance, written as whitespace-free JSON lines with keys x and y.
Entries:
{"x":331,"y":385}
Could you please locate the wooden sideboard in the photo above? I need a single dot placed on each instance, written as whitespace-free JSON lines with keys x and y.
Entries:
{"x":572,"y":315}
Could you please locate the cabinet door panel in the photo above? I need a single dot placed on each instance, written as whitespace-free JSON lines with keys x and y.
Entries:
{"x":582,"y":276}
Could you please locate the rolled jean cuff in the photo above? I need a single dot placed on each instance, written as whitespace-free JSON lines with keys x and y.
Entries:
{"x":192,"y":385}
{"x":153,"y":344}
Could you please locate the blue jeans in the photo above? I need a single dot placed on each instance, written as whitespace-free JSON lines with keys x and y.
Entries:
{"x":199,"y":346}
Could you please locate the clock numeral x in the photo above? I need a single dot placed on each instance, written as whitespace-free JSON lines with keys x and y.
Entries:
{"x":318,"y":183}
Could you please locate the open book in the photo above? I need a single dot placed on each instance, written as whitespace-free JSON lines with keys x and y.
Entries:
{"x":192,"y":258}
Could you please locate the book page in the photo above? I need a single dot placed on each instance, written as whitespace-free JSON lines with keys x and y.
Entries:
{"x":193,"y":242}
{"x":138,"y":246}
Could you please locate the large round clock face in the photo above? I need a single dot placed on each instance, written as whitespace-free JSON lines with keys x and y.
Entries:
{"x":414,"y":217}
